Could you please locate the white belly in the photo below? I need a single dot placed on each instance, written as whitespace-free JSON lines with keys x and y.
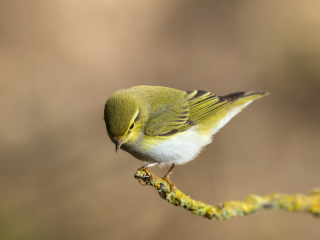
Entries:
{"x":179,"y":148}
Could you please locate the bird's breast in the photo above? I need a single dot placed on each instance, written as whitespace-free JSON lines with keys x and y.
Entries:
{"x":179,"y":148}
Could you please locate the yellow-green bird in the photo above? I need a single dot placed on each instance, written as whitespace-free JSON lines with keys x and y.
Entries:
{"x":168,"y":127}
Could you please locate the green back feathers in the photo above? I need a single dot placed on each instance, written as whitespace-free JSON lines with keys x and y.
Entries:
{"x":166,"y":111}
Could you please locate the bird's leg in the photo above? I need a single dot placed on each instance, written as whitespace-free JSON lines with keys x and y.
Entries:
{"x":167,"y":177}
{"x":145,"y":168}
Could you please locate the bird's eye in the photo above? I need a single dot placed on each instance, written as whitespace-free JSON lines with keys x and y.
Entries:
{"x":132,"y":126}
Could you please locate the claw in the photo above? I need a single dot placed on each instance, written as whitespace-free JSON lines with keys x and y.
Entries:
{"x":143,"y":181}
{"x":172,"y":185}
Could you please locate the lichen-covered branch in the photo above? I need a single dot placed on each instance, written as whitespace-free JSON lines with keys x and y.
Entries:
{"x":291,"y":203}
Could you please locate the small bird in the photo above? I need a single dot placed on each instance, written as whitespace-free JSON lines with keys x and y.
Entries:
{"x":168,"y":127}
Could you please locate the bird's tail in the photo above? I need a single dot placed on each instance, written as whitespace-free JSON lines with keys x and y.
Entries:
{"x":249,"y":97}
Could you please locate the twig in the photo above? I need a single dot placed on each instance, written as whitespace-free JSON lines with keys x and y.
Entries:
{"x":291,"y":203}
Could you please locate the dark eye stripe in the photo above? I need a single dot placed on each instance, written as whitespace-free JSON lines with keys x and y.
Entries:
{"x":132,"y":126}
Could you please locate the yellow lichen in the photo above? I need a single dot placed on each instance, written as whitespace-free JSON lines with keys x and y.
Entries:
{"x":291,"y":203}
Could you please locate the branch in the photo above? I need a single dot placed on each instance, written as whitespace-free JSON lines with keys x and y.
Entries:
{"x":291,"y":203}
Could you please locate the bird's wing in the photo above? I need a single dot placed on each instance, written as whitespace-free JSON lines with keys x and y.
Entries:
{"x":203,"y":105}
{"x":196,"y":107}
{"x":168,"y":111}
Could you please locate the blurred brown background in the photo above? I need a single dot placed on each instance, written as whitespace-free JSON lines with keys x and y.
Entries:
{"x":60,"y":60}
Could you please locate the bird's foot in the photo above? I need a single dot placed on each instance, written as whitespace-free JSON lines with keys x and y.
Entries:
{"x":146,"y":178}
{"x":167,"y":177}
{"x":172,"y":186}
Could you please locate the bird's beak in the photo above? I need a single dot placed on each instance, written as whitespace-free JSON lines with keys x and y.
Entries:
{"x":118,"y":144}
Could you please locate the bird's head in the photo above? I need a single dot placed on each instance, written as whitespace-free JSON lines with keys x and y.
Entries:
{"x":122,"y":116}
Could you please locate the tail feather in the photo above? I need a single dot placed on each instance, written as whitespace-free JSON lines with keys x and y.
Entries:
{"x":258,"y":94}
{"x":231,"y":97}
{"x":252,"y":95}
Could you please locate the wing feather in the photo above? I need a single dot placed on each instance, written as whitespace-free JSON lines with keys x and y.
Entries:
{"x":204,"y":105}
{"x":168,"y":111}
{"x":191,"y":108}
